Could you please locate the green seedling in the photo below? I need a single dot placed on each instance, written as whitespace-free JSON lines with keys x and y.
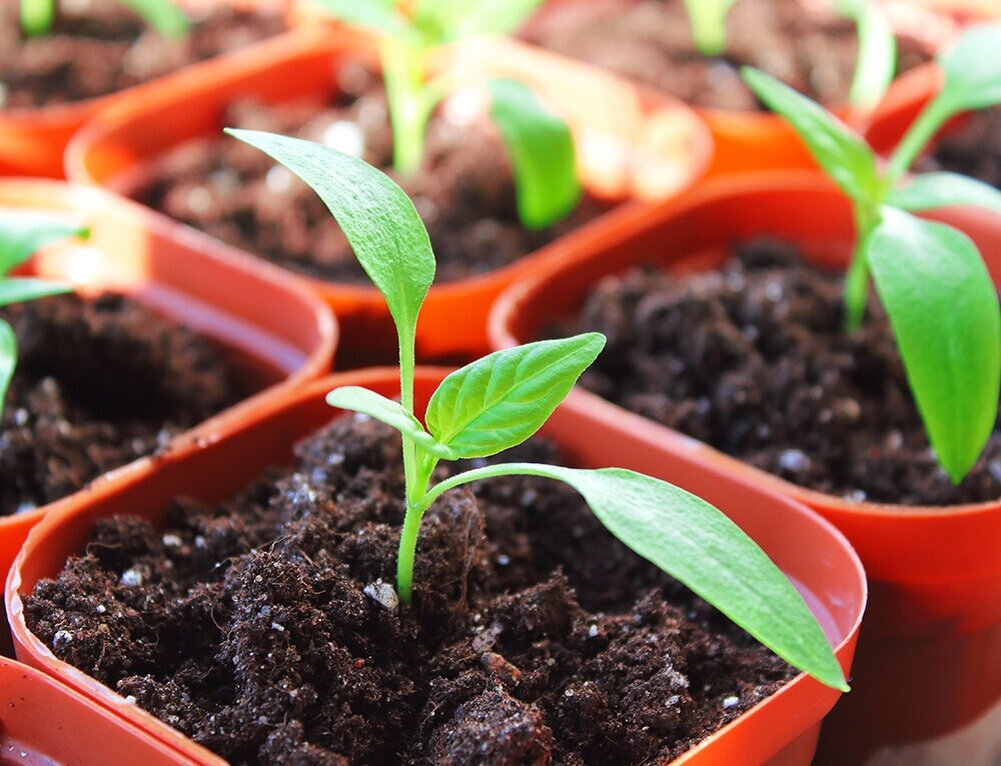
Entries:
{"x":539,"y":144}
{"x":37,"y":16}
{"x":502,"y":399}
{"x":936,"y":290}
{"x":21,"y":235}
{"x":877,"y":47}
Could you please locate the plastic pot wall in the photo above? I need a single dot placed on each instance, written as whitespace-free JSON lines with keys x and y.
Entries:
{"x":933,"y":627}
{"x":781,"y":729}
{"x":189,"y":279}
{"x":631,"y":143}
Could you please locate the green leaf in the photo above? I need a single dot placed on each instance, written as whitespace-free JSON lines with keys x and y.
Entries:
{"x":449,"y":20}
{"x":23,"y":233}
{"x":933,"y":190}
{"x":8,"y":359}
{"x":877,"y":54}
{"x":944,"y":312}
{"x":162,"y":15}
{"x":708,"y":21}
{"x":541,"y":151}
{"x":37,"y":17}
{"x":378,"y":15}
{"x":972,"y":69}
{"x":377,"y":218}
{"x":21,"y":290}
{"x":500,"y":400}
{"x":699,"y":546}
{"x":844,"y":156}
{"x":385,"y":411}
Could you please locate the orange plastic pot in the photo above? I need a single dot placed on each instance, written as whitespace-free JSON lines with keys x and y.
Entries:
{"x":780,"y":730}
{"x":33,"y":141}
{"x":44,"y":722}
{"x":189,"y":279}
{"x":631,"y":143}
{"x":930,"y":655}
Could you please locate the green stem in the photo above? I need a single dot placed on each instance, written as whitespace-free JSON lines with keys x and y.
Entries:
{"x":922,"y":130}
{"x":403,"y":70}
{"x":708,"y":22}
{"x":857,"y":278}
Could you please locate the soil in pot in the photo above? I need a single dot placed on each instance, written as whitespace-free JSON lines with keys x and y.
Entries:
{"x":265,"y":628}
{"x":99,"y":383}
{"x":650,"y":41}
{"x":753,"y":360}
{"x":973,"y":149}
{"x":98,"y":47}
{"x":464,"y":190}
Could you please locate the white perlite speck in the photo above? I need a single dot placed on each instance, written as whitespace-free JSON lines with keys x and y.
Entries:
{"x":383,"y":593}
{"x":729,"y":702}
{"x":132,"y":578}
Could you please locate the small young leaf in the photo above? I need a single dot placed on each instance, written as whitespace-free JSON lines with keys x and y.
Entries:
{"x":877,"y":52}
{"x":450,"y":20}
{"x":844,"y":156}
{"x":37,"y":17}
{"x":972,"y":69}
{"x":696,"y":544}
{"x":8,"y":359}
{"x":541,"y":151}
{"x":500,"y":400}
{"x":378,"y":219}
{"x":23,"y":233}
{"x":707,"y":19}
{"x":933,"y":190}
{"x":385,"y":411}
{"x":162,"y":15}
{"x":377,"y":15}
{"x":943,"y":309}
{"x":20,"y":290}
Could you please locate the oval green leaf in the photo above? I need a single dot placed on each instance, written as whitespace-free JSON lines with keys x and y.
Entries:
{"x":449,"y":20}
{"x":377,"y":218}
{"x":500,"y":400}
{"x":23,"y":233}
{"x":933,"y":190}
{"x":162,"y":15}
{"x":387,"y":411}
{"x":972,"y":69}
{"x":944,"y":312}
{"x":707,"y":18}
{"x":540,"y":147}
{"x":28,"y":289}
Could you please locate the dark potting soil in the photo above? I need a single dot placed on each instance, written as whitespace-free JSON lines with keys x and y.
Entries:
{"x":266,"y":630}
{"x":98,"y":384}
{"x":753,"y":360}
{"x":98,"y":47}
{"x":650,"y":41}
{"x":973,"y":149}
{"x":464,"y":191}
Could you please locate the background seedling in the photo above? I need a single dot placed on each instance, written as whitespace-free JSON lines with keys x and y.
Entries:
{"x":502,"y":399}
{"x":936,"y":290}
{"x":37,"y":16}
{"x":21,"y":235}
{"x":877,"y":47}
{"x":539,"y":144}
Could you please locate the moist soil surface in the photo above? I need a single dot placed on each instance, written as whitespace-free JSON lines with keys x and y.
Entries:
{"x":753,"y":359}
{"x":973,"y":148}
{"x":98,"y":47}
{"x":265,"y":628}
{"x":98,"y":384}
{"x":464,"y":191}
{"x":650,"y":41}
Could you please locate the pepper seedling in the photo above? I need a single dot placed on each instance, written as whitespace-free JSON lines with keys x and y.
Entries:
{"x":937,"y":292}
{"x":21,"y":235}
{"x":500,"y":400}
{"x":538,"y":143}
{"x":877,"y":47}
{"x":37,"y":16}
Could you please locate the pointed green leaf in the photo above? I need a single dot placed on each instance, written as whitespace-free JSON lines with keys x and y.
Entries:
{"x":707,"y":19}
{"x":933,"y":190}
{"x":21,"y":290}
{"x":500,"y":400}
{"x":450,"y":20}
{"x":944,"y":312}
{"x":698,"y":545}
{"x":377,"y":218}
{"x":972,"y":69}
{"x":841,"y":153}
{"x":162,"y":15}
{"x":377,"y":15}
{"x":877,"y":53}
{"x":386,"y":411}
{"x":8,"y":359}
{"x":541,"y":151}
{"x":23,"y":233}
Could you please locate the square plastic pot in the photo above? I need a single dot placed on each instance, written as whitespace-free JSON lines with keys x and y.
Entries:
{"x":782,"y":729}
{"x":266,"y":319}
{"x":631,"y":144}
{"x":933,"y":628}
